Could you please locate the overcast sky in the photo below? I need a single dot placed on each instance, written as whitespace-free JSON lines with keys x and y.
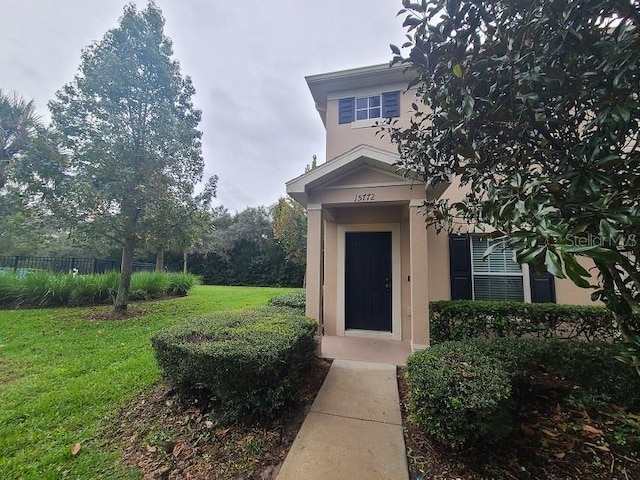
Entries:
{"x":247,"y":60}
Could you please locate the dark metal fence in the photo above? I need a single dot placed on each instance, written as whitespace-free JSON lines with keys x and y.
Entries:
{"x":67,"y":264}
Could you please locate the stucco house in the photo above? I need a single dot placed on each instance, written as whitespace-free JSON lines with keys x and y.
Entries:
{"x":372,"y":265}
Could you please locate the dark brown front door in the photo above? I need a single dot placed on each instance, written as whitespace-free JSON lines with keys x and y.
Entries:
{"x":368,"y":281}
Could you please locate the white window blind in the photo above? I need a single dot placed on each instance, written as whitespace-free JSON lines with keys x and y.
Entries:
{"x":497,"y":277}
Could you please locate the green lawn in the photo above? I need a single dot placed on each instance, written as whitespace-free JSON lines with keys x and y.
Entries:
{"x":62,"y":377}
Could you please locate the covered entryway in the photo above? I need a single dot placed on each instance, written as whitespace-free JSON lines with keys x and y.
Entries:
{"x":368,"y":281}
{"x":366,"y":247}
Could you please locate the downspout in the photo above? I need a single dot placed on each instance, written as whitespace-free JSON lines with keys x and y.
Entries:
{"x":322,"y":243}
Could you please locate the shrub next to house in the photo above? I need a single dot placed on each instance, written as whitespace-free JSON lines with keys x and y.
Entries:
{"x":464,"y":392}
{"x":248,"y":362}
{"x":461,"y":319}
{"x":459,"y":395}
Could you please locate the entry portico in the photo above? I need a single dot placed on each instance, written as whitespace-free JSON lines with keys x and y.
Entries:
{"x":366,"y":247}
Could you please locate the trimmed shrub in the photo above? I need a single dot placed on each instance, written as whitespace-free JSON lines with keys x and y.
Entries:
{"x":295,"y":300}
{"x":249,"y":362}
{"x":464,"y":392}
{"x":458,"y":394}
{"x":595,"y":368}
{"x":462,"y":319}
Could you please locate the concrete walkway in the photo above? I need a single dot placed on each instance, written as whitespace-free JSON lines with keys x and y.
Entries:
{"x":377,"y":350}
{"x":354,"y":428}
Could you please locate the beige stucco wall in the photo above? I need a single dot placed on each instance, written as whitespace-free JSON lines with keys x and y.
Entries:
{"x":568,"y":293}
{"x":424,"y":261}
{"x":439,"y":284}
{"x":343,"y":137}
{"x":346,"y":196}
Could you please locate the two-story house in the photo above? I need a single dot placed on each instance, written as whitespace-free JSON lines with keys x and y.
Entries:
{"x":372,"y":265}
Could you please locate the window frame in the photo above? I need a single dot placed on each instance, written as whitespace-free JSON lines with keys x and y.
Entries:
{"x":368,"y":108}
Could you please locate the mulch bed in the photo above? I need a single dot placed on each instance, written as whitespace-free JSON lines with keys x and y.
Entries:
{"x":117,"y":315}
{"x":558,"y":438}
{"x":166,"y":439}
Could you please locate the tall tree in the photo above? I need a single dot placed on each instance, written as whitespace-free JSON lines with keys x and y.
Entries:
{"x":128,"y":121}
{"x":289,"y":224}
{"x":182,"y":225}
{"x":534,"y":105}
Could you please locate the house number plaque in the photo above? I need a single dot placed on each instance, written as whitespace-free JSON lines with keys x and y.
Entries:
{"x":365,"y":197}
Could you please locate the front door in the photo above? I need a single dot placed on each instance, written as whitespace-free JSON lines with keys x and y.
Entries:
{"x":368,"y":281}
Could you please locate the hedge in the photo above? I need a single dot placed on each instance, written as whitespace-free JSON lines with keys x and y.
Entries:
{"x":465,"y":392}
{"x":249,"y":363}
{"x":461,"y":319}
{"x":295,"y":300}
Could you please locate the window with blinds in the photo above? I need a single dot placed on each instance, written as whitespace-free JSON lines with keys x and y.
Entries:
{"x":497,"y":277}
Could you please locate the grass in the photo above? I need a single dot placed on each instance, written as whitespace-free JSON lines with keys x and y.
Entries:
{"x":62,"y":377}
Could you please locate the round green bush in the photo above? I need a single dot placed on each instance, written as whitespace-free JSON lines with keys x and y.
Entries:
{"x":465,"y":392}
{"x":458,"y":394}
{"x":249,"y":362}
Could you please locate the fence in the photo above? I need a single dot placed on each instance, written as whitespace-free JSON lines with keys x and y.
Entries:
{"x":67,"y":264}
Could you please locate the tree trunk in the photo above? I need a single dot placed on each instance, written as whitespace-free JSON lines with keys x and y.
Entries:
{"x":160,"y":259}
{"x":185,"y":256}
{"x":125,"y":274}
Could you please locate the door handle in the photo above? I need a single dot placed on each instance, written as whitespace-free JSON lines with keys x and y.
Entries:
{"x":387,"y":284}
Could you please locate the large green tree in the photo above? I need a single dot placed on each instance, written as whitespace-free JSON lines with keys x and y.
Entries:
{"x":534,"y":105}
{"x":131,"y":130}
{"x":289,"y":225}
{"x":182,"y":225}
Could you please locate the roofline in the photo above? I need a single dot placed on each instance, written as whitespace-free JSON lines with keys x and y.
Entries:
{"x":323,"y":84}
{"x":298,"y":188}
{"x":350,"y":73}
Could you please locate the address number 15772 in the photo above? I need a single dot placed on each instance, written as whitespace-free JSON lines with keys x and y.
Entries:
{"x":364,"y":197}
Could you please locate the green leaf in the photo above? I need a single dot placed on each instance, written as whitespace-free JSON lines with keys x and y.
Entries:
{"x":575,"y":271}
{"x":528,"y":256}
{"x":624,"y":113}
{"x":411,"y":21}
{"x":458,"y":71}
{"x":552,"y":262}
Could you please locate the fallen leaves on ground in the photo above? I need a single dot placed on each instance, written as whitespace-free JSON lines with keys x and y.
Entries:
{"x":166,"y":440}
{"x":558,"y":438}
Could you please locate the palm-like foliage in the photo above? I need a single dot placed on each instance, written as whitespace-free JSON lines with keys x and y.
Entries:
{"x":18,"y":123}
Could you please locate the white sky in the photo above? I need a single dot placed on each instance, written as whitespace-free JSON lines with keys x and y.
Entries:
{"x":247,"y":60}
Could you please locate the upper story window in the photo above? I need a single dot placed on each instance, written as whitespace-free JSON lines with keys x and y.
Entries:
{"x":385,"y":105}
{"x":368,"y":107}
